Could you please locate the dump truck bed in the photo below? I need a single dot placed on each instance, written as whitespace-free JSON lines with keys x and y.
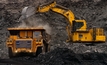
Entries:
{"x":36,"y":29}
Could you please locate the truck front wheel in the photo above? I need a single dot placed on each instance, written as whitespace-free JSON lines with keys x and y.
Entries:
{"x":39,"y":50}
{"x":10,"y":52}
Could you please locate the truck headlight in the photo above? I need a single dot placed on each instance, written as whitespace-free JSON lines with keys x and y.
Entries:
{"x":16,"y":51}
{"x":9,"y":40}
{"x":38,"y":40}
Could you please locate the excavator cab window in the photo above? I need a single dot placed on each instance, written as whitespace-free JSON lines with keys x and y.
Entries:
{"x":76,"y":25}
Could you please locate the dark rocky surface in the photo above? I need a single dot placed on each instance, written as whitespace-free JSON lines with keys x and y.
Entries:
{"x":60,"y":56}
{"x":93,"y":11}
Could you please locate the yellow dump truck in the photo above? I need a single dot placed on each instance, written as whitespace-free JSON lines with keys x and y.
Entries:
{"x":28,"y":40}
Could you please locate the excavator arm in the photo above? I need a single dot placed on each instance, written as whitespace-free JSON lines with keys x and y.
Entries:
{"x":58,"y":9}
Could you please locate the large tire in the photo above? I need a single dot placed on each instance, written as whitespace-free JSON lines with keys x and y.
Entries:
{"x":10,"y":52}
{"x":39,"y":50}
{"x":46,"y":47}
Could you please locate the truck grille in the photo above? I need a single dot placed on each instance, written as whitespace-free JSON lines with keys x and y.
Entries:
{"x":23,"y":43}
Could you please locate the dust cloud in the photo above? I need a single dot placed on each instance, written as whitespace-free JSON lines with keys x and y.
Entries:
{"x":34,"y":22}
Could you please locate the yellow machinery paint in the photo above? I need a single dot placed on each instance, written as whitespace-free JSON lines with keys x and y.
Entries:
{"x":27,"y":40}
{"x":77,"y":29}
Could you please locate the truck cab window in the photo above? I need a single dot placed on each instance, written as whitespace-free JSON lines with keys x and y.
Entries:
{"x":36,"y":34}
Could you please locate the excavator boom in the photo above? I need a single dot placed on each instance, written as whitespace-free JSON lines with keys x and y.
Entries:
{"x":58,"y":9}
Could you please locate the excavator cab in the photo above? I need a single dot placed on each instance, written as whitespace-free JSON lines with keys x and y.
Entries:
{"x":78,"y":25}
{"x":80,"y":33}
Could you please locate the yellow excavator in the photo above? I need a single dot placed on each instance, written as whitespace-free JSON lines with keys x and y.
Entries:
{"x":77,"y":29}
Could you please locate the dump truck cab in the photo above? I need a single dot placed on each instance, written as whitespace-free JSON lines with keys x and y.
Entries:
{"x":28,"y":40}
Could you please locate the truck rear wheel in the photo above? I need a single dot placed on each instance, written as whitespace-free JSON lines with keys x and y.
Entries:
{"x":46,"y":47}
{"x":10,"y":52}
